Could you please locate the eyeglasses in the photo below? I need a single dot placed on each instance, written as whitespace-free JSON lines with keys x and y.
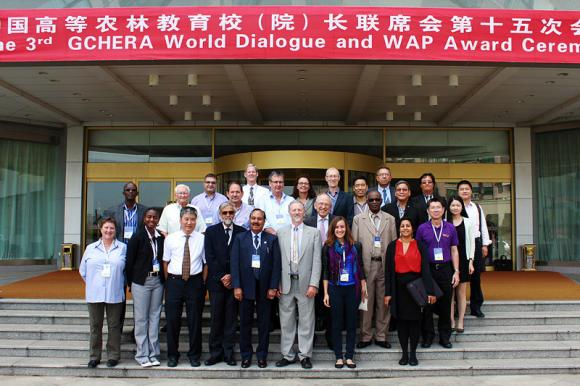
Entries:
{"x":210,"y":182}
{"x":374,"y":200}
{"x":303,"y":183}
{"x":130,"y":190}
{"x":228,"y":212}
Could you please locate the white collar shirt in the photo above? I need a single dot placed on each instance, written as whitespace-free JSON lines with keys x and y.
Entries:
{"x":259,"y":191}
{"x":170,"y":219}
{"x":173,"y":252}
{"x":473,"y":214}
{"x":276,"y":211}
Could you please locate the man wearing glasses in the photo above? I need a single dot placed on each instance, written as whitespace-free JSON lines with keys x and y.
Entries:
{"x":210,"y":200}
{"x":128,"y":215}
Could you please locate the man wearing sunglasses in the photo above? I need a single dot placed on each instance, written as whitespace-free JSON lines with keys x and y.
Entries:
{"x":128,"y":215}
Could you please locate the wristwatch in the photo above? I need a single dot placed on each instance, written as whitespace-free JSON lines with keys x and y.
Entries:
{"x":456,"y":270}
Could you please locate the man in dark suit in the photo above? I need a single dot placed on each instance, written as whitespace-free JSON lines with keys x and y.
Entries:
{"x":342,"y":203}
{"x":223,"y":307}
{"x":428,"y":191}
{"x":321,"y":220}
{"x":402,"y":207}
{"x":128,"y":215}
{"x":129,"y":218}
{"x":384,"y":177}
{"x":255,"y":270}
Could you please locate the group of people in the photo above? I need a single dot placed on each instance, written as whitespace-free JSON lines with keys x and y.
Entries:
{"x":305,"y":262}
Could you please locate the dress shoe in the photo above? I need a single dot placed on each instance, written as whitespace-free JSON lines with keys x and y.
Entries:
{"x":171,"y":362}
{"x":319,"y":325}
{"x":112,"y":363}
{"x":427,"y":342}
{"x":350,"y":364}
{"x":262,"y":363}
{"x":445,"y":344}
{"x":212,"y":361}
{"x":306,"y":364}
{"x":413,"y":360}
{"x":194,"y":362}
{"x":404,"y":360}
{"x":478,"y":314}
{"x":284,"y":362}
{"x":383,"y":344}
{"x":339,"y":364}
{"x":362,"y":344}
{"x":246,"y":363}
{"x":163,"y":328}
{"x":93,"y":363}
{"x":459,"y":330}
{"x":230,"y":361}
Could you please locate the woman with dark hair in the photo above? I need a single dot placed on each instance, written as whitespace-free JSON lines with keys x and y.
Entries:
{"x":144,"y":272}
{"x":406,"y":260}
{"x":102,"y":269}
{"x":466,"y":248}
{"x":304,"y":192}
{"x":344,"y":285}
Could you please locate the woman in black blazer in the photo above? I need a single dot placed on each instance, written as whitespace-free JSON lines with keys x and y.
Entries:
{"x":406,"y":260}
{"x":144,"y":271}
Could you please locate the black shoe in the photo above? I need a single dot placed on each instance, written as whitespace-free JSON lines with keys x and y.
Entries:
{"x":445,"y":344}
{"x":413,"y":360}
{"x":194,"y":362}
{"x":284,"y":362}
{"x":212,"y":361}
{"x":171,"y":362}
{"x":246,"y":363}
{"x":306,"y":364}
{"x":112,"y":363}
{"x":362,"y":344}
{"x":319,"y":325}
{"x":427,"y":342}
{"x":262,"y":363}
{"x":382,"y":344}
{"x":478,"y":314}
{"x":164,"y":328}
{"x":230,"y":361}
{"x":404,"y":360}
{"x":93,"y":363}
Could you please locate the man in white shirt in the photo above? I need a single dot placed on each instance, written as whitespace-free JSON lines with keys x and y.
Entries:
{"x":170,"y":218}
{"x":209,"y":201}
{"x":476,"y":215}
{"x":275,"y":204}
{"x":185,"y":273}
{"x":252,"y":191}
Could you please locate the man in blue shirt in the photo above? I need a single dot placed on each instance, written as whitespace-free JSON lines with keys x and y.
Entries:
{"x":440,"y":239}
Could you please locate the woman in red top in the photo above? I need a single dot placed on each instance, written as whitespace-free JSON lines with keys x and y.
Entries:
{"x":406,"y":260}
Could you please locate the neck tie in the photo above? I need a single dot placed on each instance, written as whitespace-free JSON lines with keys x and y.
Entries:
{"x":322,"y":229}
{"x":428,"y":197}
{"x":185,"y":267}
{"x":251,"y":199}
{"x":228,"y":234}
{"x":385,"y":196}
{"x":294,"y":252}
{"x":256,"y":241}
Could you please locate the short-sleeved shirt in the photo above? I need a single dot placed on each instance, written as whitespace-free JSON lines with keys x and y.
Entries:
{"x":426,"y":234}
{"x":209,"y":206}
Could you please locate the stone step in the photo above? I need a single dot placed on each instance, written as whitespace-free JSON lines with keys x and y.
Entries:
{"x":552,"y":332}
{"x":371,"y":369}
{"x":481,"y":350}
{"x":492,"y":318}
{"x":490,"y":306}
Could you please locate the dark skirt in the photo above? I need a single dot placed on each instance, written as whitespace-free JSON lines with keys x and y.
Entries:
{"x":407,"y":308}
{"x":463,"y":262}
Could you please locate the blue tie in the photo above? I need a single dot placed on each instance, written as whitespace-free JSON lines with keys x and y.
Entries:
{"x":385,"y":196}
{"x":256,"y":241}
{"x":257,"y":245}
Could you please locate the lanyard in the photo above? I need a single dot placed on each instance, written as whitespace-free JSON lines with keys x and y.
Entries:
{"x":437,"y":237}
{"x":153,"y":242}
{"x":130,"y":214}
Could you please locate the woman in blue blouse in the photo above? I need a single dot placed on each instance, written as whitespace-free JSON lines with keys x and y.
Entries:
{"x":344,"y":285}
{"x":102,"y":268}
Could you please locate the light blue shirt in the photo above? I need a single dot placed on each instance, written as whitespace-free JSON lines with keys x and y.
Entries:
{"x":209,"y":206}
{"x":101,"y":289}
{"x":276,"y":211}
{"x":242,"y":216}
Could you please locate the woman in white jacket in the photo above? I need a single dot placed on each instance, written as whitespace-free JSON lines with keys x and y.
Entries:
{"x":466,"y":235}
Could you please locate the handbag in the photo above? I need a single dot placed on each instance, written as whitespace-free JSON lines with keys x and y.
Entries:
{"x":417,"y":290}
{"x":502,"y":264}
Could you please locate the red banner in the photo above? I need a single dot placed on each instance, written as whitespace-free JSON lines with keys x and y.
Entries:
{"x":241,"y":33}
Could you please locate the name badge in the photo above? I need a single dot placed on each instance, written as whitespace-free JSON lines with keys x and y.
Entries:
{"x":156,"y":266}
{"x":255,"y":261}
{"x":438,"y":254}
{"x":280,"y":219}
{"x":128,"y":233}
{"x":344,"y":276}
{"x":106,"y":272}
{"x":377,"y":241}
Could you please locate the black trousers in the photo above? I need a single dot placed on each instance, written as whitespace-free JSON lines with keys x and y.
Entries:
{"x":408,"y":332}
{"x":343,"y":307}
{"x":263,"y":307}
{"x":442,"y":275}
{"x":322,"y":314}
{"x":192,"y":293}
{"x":476,"y":296}
{"x":224,"y":314}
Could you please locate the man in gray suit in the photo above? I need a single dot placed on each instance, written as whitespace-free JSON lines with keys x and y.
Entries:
{"x":300,"y":248}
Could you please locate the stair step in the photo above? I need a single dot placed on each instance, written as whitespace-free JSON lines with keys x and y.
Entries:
{"x":371,"y":369}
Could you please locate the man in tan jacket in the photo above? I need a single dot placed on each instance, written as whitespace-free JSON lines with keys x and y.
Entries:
{"x":374,"y":229}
